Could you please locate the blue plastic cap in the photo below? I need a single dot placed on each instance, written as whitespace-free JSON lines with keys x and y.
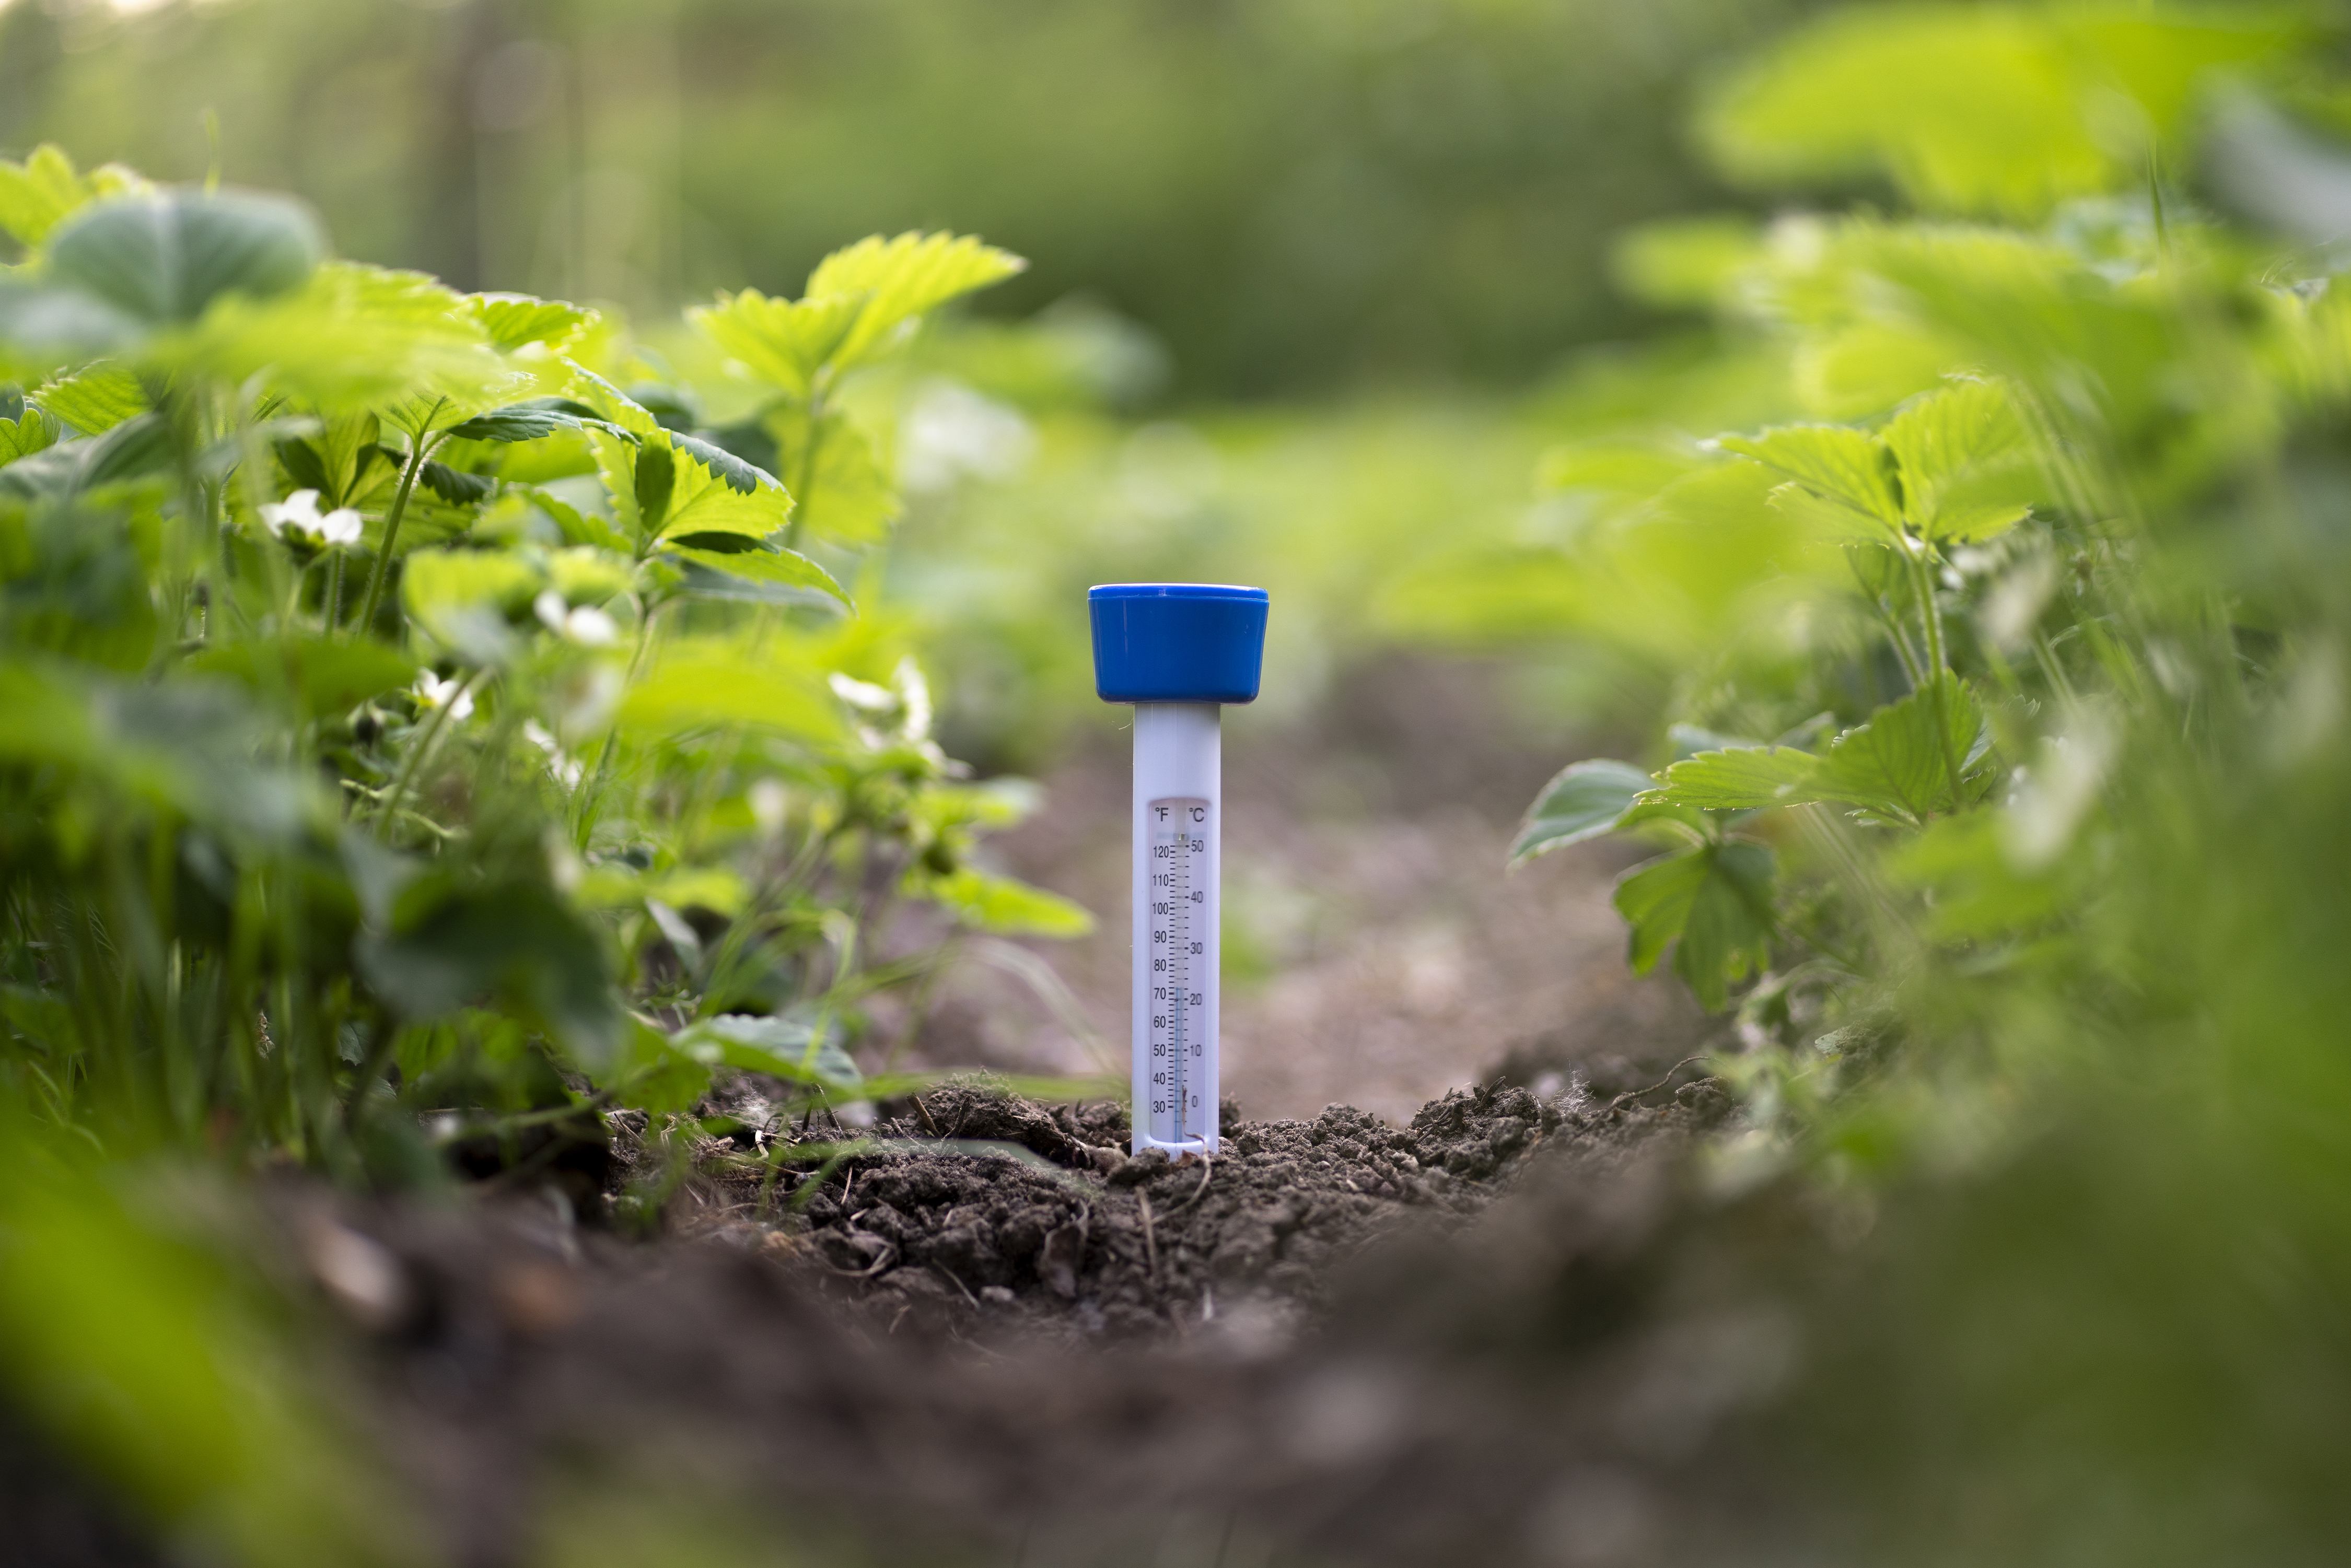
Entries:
{"x":1177,"y":642}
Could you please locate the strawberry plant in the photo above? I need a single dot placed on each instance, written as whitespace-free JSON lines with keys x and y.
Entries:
{"x":2030,"y":560}
{"x":407,"y":706}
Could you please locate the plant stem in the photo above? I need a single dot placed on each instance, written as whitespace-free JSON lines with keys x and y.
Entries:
{"x":807,"y":486}
{"x":418,"y":447}
{"x":416,"y":755}
{"x":605,"y":752}
{"x":1937,"y":667}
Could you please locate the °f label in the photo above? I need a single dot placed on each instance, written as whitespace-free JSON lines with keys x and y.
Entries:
{"x":1183,"y":917}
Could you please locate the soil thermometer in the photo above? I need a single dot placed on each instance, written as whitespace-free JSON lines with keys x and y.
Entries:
{"x":1178,"y":652}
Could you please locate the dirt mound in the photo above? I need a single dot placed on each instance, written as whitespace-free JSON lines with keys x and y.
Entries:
{"x":979,"y":1210}
{"x":983,"y":1333}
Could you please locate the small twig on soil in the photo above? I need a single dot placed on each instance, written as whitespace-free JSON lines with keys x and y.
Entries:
{"x":945,"y":1274}
{"x":925,"y":1113}
{"x":1661,"y":1082}
{"x":1199,"y":1189}
{"x":1150,"y":1242}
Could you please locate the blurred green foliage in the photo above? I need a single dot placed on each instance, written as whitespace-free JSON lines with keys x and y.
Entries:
{"x":1287,"y":193}
{"x":1999,"y":780}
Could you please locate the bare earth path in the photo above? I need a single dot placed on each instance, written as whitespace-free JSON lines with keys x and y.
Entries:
{"x":1376,"y":952}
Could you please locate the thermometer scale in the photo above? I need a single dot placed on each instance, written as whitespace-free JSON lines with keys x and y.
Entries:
{"x":1178,"y":652}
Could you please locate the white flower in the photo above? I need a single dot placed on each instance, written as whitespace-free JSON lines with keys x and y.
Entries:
{"x":588,"y":626}
{"x":297,"y":520}
{"x":566,"y":770}
{"x":435,"y":692}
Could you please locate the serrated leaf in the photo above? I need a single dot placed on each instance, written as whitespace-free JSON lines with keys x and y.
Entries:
{"x":1582,"y":801}
{"x":527,"y":421}
{"x":512,"y":321}
{"x":780,"y":577}
{"x":455,"y":485}
{"x":1715,"y":900}
{"x":94,"y":400}
{"x":1901,"y":765}
{"x":1747,"y":778}
{"x":782,"y":342}
{"x":38,"y":192}
{"x":1966,"y":470}
{"x":31,"y":431}
{"x":1008,"y":907}
{"x":164,"y":257}
{"x":357,"y":338}
{"x":743,"y":478}
{"x":1847,"y":466}
{"x":685,"y":486}
{"x":903,"y":277}
{"x":839,"y":491}
{"x":135,"y":449}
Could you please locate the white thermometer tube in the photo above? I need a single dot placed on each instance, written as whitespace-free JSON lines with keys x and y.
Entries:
{"x":1178,"y":868}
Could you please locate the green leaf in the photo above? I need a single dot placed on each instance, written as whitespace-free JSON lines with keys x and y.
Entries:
{"x":654,"y":479}
{"x":839,"y":489}
{"x":453,"y":485}
{"x":1715,"y":901}
{"x":588,"y":576}
{"x":451,"y":946}
{"x":35,"y":194}
{"x":527,"y":421}
{"x":163,"y":257}
{"x":1747,"y":778}
{"x":31,"y":431}
{"x":665,"y":485}
{"x":1899,"y":766}
{"x":1008,"y":907}
{"x":1685,"y":263}
{"x":1979,"y":892}
{"x":742,"y":477}
{"x":1966,"y":470}
{"x":785,"y":1047}
{"x":779,"y":342}
{"x":763,"y":577}
{"x":1582,"y":802}
{"x":654,"y":1075}
{"x":579,"y":528}
{"x":705,"y":681}
{"x":94,"y":400}
{"x":902,"y":278}
{"x":45,"y":327}
{"x":354,"y":338}
{"x":187,"y":744}
{"x":136,"y":449}
{"x":465,"y":599}
{"x":1980,"y":109}
{"x":314,"y":677}
{"x":512,"y":321}
{"x":1843,"y":465}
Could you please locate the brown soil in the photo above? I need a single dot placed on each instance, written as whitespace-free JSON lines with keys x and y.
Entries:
{"x":1325,"y":1341}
